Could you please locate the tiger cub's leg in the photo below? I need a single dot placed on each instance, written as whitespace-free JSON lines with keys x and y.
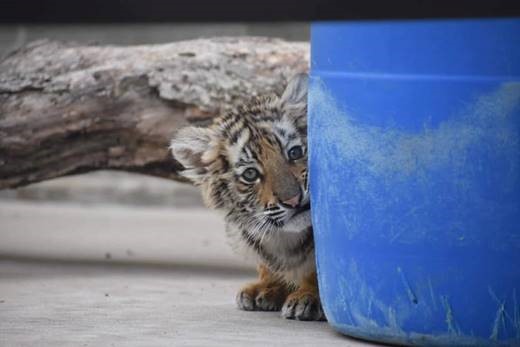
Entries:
{"x":304,"y":303}
{"x":267,"y":294}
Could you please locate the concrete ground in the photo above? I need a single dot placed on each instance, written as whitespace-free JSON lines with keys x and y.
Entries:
{"x":76,"y":274}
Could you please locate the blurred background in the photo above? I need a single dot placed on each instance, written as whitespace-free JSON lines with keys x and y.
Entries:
{"x":13,"y":36}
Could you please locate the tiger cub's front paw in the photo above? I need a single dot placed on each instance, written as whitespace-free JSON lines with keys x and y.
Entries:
{"x":303,"y":305}
{"x":261,"y":297}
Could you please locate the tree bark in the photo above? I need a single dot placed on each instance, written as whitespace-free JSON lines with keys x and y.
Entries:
{"x":67,"y":108}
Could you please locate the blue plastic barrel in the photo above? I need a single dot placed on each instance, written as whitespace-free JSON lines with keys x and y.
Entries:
{"x":414,"y":141}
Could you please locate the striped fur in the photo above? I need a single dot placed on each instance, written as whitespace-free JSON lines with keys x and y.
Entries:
{"x":251,"y":163}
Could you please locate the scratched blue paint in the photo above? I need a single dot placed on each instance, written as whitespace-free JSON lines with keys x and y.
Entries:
{"x":414,"y":141}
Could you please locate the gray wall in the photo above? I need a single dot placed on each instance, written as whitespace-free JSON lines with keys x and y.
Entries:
{"x":14,"y":36}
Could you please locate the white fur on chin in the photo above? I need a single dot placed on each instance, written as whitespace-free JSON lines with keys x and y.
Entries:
{"x":298,"y":223}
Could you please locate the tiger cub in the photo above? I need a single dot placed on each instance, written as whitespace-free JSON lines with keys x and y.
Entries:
{"x":252,"y":164}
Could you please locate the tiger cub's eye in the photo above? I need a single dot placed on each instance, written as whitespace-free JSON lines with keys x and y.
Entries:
{"x":250,"y":175}
{"x":295,"y":153}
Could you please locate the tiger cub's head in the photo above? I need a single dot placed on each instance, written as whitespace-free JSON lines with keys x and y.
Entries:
{"x":252,"y":162}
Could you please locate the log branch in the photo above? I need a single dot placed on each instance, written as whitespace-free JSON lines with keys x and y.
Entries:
{"x":67,"y":108}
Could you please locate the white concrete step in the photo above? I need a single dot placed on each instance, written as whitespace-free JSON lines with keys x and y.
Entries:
{"x":110,"y":233}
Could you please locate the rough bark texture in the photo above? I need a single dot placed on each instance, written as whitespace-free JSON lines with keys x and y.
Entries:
{"x":67,"y":108}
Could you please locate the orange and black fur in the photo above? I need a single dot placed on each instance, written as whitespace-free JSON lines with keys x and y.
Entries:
{"x":252,"y":164}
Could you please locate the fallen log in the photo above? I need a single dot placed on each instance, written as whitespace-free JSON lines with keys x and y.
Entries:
{"x":68,"y":108}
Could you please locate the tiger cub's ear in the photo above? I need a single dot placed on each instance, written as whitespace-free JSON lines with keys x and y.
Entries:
{"x":294,"y":98}
{"x":192,"y":147}
{"x":296,"y":90}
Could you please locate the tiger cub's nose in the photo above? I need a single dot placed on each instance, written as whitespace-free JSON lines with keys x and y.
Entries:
{"x":293,"y":202}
